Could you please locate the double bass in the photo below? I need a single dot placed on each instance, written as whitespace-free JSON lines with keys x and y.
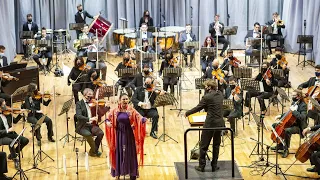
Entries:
{"x":285,"y":122}
{"x":307,"y":148}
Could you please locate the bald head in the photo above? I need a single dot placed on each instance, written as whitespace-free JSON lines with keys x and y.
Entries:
{"x":215,"y":64}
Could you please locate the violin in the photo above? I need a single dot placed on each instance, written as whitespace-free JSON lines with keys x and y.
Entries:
{"x":45,"y":95}
{"x":173,"y":61}
{"x":151,"y":88}
{"x":130,"y":63}
{"x":282,"y":62}
{"x":236,"y":90}
{"x":99,"y":82}
{"x":7,"y":76}
{"x":10,"y":110}
{"x":218,"y":74}
{"x":267,"y":74}
{"x":235,"y":62}
{"x":94,"y":103}
{"x":84,"y":67}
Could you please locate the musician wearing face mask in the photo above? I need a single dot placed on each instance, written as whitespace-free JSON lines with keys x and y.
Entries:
{"x":124,"y":81}
{"x":233,"y":92}
{"x":29,"y":26}
{"x":140,"y":77}
{"x":267,"y":79}
{"x":84,"y":120}
{"x":299,"y":111}
{"x":216,"y":29}
{"x":8,"y":133}
{"x":280,"y":62}
{"x":74,"y":77}
{"x":143,"y":101}
{"x":82,"y":51}
{"x":315,"y":156}
{"x":147,"y":19}
{"x":310,"y":84}
{"x":80,"y":17}
{"x":212,"y":103}
{"x":146,"y":47}
{"x":34,"y":105}
{"x":209,"y":75}
{"x":43,"y":51}
{"x":187,"y":36}
{"x":229,"y":63}
{"x":276,"y":25}
{"x":3,"y":58}
{"x":206,"y":61}
{"x":144,"y":33}
{"x":169,"y":62}
{"x":93,"y":62}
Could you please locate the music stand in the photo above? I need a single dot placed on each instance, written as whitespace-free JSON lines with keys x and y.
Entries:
{"x":204,"y":51}
{"x":164,"y":100}
{"x":229,"y":31}
{"x":175,"y":73}
{"x":284,"y":97}
{"x":101,"y":54}
{"x":38,"y":155}
{"x":65,"y":109}
{"x":250,"y":84}
{"x":304,"y":39}
{"x":277,"y":73}
{"x":242,"y":72}
{"x":199,"y":83}
{"x":76,"y":26}
{"x":278,"y":139}
{"x":191,"y":44}
{"x":20,"y":170}
{"x":127,"y":72}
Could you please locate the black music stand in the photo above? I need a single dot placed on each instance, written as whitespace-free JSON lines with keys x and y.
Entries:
{"x":255,"y":53}
{"x":76,"y":26}
{"x":101,"y":54}
{"x":191,"y":44}
{"x":304,"y":40}
{"x":26,"y":35}
{"x":20,"y":170}
{"x":38,"y":155}
{"x":259,"y":142}
{"x":164,"y":100}
{"x":229,"y":31}
{"x":271,"y":165}
{"x":199,"y":83}
{"x":204,"y":51}
{"x":242,"y":72}
{"x":44,"y":44}
{"x":284,"y":97}
{"x":226,"y":104}
{"x":65,"y":109}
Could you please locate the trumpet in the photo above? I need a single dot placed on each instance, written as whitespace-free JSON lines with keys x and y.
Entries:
{"x":280,"y":22}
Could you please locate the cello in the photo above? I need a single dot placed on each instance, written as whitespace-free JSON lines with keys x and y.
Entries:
{"x":285,"y":122}
{"x":307,"y":148}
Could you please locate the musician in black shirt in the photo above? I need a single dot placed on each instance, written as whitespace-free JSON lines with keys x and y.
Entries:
{"x":169,"y":62}
{"x":76,"y":77}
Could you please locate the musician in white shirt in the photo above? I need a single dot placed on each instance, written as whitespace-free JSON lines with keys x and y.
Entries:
{"x":216,"y":30}
{"x":187,"y":36}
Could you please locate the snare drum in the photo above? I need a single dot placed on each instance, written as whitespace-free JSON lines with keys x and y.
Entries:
{"x":118,"y":35}
{"x":165,"y":39}
{"x":130,"y":40}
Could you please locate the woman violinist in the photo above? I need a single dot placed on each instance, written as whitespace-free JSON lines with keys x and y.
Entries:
{"x":206,"y":61}
{"x":315,"y":155}
{"x":75,"y":77}
{"x":280,"y":62}
{"x":169,"y":62}
{"x":292,"y":122}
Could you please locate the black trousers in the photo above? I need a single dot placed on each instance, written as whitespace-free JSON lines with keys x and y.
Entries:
{"x":261,"y":96}
{"x":272,"y":37}
{"x":153,"y":114}
{"x":185,"y":52}
{"x":76,"y":88}
{"x":47,"y":120}
{"x":231,"y":115}
{"x":206,"y":137}
{"x":88,"y":132}
{"x":169,"y":81}
{"x":224,"y":41}
{"x":314,"y":114}
{"x":8,"y":140}
{"x":3,"y":163}
{"x":315,"y":160}
{"x":6,"y":97}
{"x":46,"y":54}
{"x":288,"y":133}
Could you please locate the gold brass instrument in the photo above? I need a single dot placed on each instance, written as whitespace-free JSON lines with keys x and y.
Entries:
{"x":280,"y":22}
{"x":76,"y":43}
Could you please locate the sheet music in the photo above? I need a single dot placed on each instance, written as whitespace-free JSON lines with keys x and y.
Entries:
{"x":198,"y":119}
{"x":261,"y":86}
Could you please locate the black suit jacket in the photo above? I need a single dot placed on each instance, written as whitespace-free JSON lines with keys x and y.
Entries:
{"x":3,"y":131}
{"x":78,"y":18}
{"x":34,"y":27}
{"x":139,"y":96}
{"x":212,"y":103}
{"x":308,"y":83}
{"x":301,"y":115}
{"x":5,"y":61}
{"x":279,"y":27}
{"x":150,"y":22}
{"x":81,"y":115}
{"x":137,"y":81}
{"x":212,"y":31}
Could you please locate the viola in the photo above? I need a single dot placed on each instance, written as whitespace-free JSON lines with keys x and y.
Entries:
{"x":282,"y":62}
{"x":236,"y":90}
{"x":98,"y":108}
{"x":218,"y":74}
{"x":235,"y":62}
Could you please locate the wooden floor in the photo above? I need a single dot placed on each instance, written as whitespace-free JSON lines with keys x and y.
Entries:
{"x":159,"y":160}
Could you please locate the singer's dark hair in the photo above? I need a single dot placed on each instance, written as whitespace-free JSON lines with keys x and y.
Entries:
{"x":123,"y":94}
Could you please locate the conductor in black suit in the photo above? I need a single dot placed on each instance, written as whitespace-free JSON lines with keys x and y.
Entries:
{"x":216,"y":29}
{"x":80,"y":17}
{"x":211,"y":102}
{"x":3,"y":58}
{"x":29,"y":26}
{"x":143,"y":101}
{"x":84,"y":122}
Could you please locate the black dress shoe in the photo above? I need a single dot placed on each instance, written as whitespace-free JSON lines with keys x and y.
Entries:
{"x":312,"y":169}
{"x":51,"y":139}
{"x":4,"y":177}
{"x":152,"y":134}
{"x":200,"y":168}
{"x":285,"y":153}
{"x":214,"y":168}
{"x":99,"y":154}
{"x":280,"y":147}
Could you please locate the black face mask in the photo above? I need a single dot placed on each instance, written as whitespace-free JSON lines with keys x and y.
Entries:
{"x":264,"y":70}
{"x":147,"y":85}
{"x":232,"y":86}
{"x":231,"y":57}
{"x":80,"y":10}
{"x":146,"y":72}
{"x":29,"y":20}
{"x":126,"y":60}
{"x":215,"y":67}
{"x":147,"y":15}
{"x":278,"y":56}
{"x":294,"y":99}
{"x":89,"y":99}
